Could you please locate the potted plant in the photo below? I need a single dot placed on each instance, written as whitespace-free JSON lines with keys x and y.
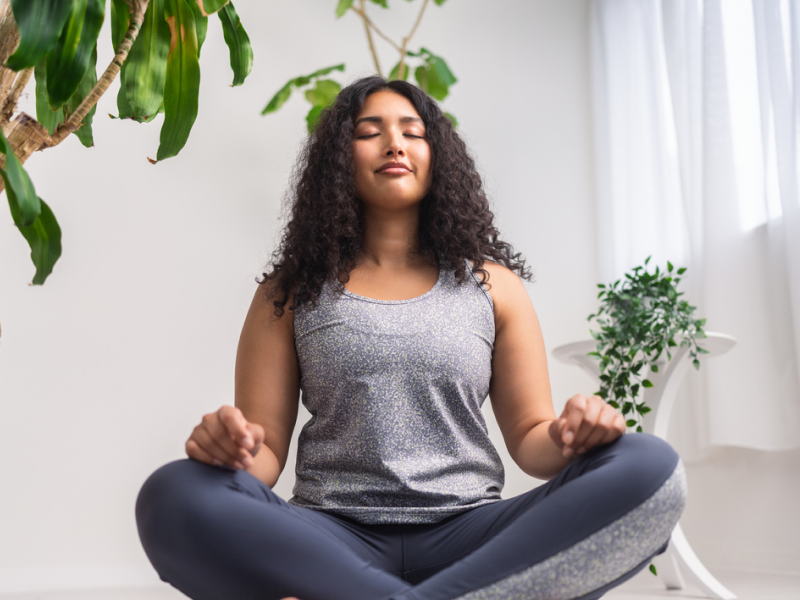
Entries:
{"x":641,"y":317}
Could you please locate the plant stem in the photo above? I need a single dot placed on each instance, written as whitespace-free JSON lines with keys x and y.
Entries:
{"x":138,"y":8}
{"x":367,"y":22}
{"x":19,"y":85}
{"x":407,"y":39}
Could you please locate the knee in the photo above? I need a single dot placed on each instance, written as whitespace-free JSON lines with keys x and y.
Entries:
{"x":170,"y":497}
{"x":644,"y":464}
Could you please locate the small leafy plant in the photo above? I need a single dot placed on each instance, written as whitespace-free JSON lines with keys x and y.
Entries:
{"x":431,"y":72}
{"x":640,"y":319}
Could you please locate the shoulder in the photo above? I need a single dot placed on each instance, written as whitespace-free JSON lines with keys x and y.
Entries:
{"x":507,"y":291}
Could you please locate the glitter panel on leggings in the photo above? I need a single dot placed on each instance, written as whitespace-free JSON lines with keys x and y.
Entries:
{"x":600,"y":558}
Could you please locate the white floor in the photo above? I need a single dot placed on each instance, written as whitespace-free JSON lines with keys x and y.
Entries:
{"x":747,"y":586}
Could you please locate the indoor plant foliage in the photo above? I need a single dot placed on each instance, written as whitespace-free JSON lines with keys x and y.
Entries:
{"x":431,"y":73}
{"x":157,"y":48}
{"x":640,"y":319}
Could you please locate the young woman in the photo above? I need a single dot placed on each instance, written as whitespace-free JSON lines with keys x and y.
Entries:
{"x":396,"y":309}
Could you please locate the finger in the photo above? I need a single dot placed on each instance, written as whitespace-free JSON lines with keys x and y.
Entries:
{"x":257,"y":433}
{"x":215,"y":427}
{"x":591,"y":416}
{"x":574,"y":410}
{"x":236,"y":425}
{"x":617,"y":429}
{"x":604,"y":423}
{"x":210,"y":445}
{"x":193,"y":450}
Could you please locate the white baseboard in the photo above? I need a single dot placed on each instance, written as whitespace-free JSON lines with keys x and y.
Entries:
{"x":71,"y":578}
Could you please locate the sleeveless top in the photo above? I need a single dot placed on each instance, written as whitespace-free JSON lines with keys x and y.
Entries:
{"x":395,"y":389}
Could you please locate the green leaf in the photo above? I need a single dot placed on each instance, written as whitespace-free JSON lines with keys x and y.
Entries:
{"x":40,"y":23}
{"x":395,"y":72}
{"x":279,"y":99}
{"x":323,"y":93}
{"x":120,"y":21}
{"x":238,"y":43}
{"x":312,"y":117}
{"x":702,"y":350}
{"x":647,"y":260}
{"x":669,"y":266}
{"x":638,"y":429}
{"x":44,"y":114}
{"x":439,"y":2}
{"x":696,"y":364}
{"x":382,"y":3}
{"x":283,"y":94}
{"x":451,"y":118}
{"x":146,"y":65}
{"x":434,"y":77}
{"x":183,"y":80}
{"x":630,"y":422}
{"x":647,"y":383}
{"x":19,"y":188}
{"x":209,"y":7}
{"x":643,"y":410}
{"x":201,"y":25}
{"x":68,"y":59}
{"x":654,"y":368}
{"x":84,"y":132}
{"x":43,"y":236}
{"x":681,"y":271}
{"x":342,"y":7}
{"x":653,"y":569}
{"x":699,"y":334}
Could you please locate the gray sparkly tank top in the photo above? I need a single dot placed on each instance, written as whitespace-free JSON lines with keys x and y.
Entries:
{"x":395,"y":389}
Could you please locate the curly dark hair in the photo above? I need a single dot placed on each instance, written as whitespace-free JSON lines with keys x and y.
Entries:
{"x":323,"y":237}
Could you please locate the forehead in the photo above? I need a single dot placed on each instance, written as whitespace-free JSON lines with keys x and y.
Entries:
{"x":387,"y":104}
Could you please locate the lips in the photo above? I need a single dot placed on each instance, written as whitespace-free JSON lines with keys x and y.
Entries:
{"x":394,"y":168}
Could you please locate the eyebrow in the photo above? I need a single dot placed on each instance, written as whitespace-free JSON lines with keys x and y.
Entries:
{"x":380,"y":120}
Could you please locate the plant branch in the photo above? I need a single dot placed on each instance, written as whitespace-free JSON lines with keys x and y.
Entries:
{"x":367,"y":22}
{"x":137,"y":8}
{"x":16,"y":91}
{"x":407,"y":39}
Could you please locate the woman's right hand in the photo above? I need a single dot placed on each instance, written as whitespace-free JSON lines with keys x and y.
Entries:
{"x":225,"y":437}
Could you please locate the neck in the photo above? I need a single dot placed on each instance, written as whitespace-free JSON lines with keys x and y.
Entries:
{"x":390,"y":238}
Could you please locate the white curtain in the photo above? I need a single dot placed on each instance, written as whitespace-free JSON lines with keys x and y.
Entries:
{"x":697,"y":123}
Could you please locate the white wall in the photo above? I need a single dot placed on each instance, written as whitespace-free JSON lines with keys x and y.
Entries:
{"x":105,"y":369}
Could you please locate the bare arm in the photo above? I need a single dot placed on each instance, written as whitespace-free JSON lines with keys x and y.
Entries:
{"x":268,"y":383}
{"x":255,"y":433}
{"x":541,"y":444}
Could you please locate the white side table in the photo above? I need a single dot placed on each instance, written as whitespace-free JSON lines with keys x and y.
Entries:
{"x":679,"y":558}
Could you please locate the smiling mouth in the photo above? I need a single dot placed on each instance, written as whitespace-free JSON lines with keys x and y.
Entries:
{"x":394,"y":171}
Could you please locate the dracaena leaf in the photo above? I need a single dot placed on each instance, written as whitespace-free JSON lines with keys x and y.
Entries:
{"x":68,"y":59}
{"x":146,"y":65}
{"x":40,"y":23}
{"x":241,"y":52}
{"x":19,"y":187}
{"x":43,"y":237}
{"x":209,"y":7}
{"x":48,"y":117}
{"x":183,"y":80}
{"x":84,"y":132}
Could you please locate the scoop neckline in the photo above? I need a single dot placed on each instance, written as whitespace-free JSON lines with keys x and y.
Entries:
{"x":347,"y":292}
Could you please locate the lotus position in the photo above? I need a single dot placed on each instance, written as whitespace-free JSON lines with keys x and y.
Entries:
{"x":392,"y":308}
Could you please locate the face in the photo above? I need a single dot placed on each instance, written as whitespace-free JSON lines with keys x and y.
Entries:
{"x":391,"y":153}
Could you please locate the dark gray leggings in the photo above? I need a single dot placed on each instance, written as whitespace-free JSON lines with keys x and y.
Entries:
{"x":219,"y":534}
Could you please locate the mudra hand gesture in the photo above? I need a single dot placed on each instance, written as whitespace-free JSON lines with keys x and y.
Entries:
{"x":586,"y":422}
{"x":225,"y":437}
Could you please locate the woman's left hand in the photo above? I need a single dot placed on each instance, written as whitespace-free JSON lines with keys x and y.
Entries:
{"x":586,"y":422}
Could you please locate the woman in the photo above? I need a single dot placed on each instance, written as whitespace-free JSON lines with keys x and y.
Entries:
{"x":395,"y":307}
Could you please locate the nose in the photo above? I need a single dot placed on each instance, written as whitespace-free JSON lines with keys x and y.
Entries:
{"x":395,"y":145}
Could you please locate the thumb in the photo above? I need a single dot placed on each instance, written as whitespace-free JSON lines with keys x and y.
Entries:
{"x":256,"y":434}
{"x":556,"y":427}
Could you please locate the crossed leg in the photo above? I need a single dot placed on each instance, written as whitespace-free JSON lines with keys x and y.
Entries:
{"x":215,"y":533}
